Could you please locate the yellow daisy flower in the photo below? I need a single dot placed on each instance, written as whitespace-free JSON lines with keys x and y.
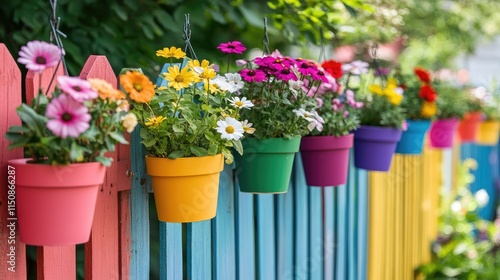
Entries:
{"x":155,"y":121}
{"x":377,"y":89}
{"x":171,"y":52}
{"x":179,"y":79}
{"x":211,"y":87}
{"x":196,"y":63}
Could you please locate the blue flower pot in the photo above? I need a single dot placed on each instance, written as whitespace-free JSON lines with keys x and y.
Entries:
{"x":412,"y":140}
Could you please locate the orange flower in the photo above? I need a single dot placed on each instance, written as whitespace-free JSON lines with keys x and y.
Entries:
{"x":138,"y":86}
{"x":106,"y":90}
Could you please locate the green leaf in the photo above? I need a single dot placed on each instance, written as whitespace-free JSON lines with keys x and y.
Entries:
{"x":144,"y":133}
{"x":91,"y":133}
{"x":199,"y":151}
{"x":118,"y":137}
{"x":149,"y":142}
{"x":238,"y":146}
{"x":46,"y":140}
{"x":177,"y":129}
{"x":104,"y":160}
{"x":17,"y":140}
{"x":18,"y":129}
{"x":34,"y":121}
{"x":176,"y":154}
{"x":76,"y":153}
{"x":212,"y":149}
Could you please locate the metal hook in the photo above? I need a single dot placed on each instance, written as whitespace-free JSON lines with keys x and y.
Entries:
{"x":186,"y":35}
{"x":55,"y":34}
{"x":265,"y":40}
{"x":373,"y":51}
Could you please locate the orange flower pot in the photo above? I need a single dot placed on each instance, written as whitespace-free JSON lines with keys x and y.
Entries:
{"x":467,"y":128}
{"x":185,"y":189}
{"x":488,"y":132}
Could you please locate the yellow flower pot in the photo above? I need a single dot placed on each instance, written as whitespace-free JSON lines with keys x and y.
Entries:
{"x":488,"y":132}
{"x":185,"y":189}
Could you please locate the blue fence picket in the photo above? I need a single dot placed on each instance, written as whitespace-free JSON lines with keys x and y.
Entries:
{"x":245,"y":235}
{"x":341,"y":256}
{"x":171,"y":266}
{"x":316,"y":241}
{"x":266,"y":252}
{"x":223,"y":229}
{"x":363,"y":222}
{"x":352,"y":228}
{"x":199,"y":250}
{"x":329,"y":231}
{"x":284,"y":234}
{"x":301,"y":230}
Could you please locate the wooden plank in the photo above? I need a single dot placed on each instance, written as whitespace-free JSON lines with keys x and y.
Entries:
{"x":124,"y":241}
{"x":266,"y":242}
{"x":199,"y":253}
{"x":284,"y":234}
{"x":363,"y":222}
{"x":342,"y":238}
{"x":329,"y":233}
{"x":171,"y":256}
{"x":352,"y":229}
{"x":223,"y":237}
{"x":316,"y":241}
{"x":245,"y":234}
{"x":56,"y":263}
{"x":301,"y":225}
{"x":139,"y":208}
{"x":102,"y":247}
{"x":11,"y":248}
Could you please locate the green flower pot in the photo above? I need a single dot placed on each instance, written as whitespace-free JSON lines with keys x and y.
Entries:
{"x":266,"y":165}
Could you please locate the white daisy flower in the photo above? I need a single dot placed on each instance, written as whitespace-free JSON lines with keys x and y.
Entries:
{"x":241,"y":103}
{"x":247,"y":127}
{"x":230,"y":129}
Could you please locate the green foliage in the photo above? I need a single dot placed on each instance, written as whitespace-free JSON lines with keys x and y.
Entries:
{"x":452,"y":101}
{"x":467,"y":247}
{"x":43,"y":146}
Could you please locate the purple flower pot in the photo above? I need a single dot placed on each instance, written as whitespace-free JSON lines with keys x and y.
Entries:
{"x":442,"y":133}
{"x":326,"y":159}
{"x":374,"y":147}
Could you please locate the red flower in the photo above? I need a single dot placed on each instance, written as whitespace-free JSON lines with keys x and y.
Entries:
{"x":422,"y":74}
{"x":333,"y":67}
{"x":427,"y":93}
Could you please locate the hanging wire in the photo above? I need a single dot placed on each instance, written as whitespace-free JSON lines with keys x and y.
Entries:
{"x":55,"y":35}
{"x":265,"y":40}
{"x":186,"y":35}
{"x":322,"y":52}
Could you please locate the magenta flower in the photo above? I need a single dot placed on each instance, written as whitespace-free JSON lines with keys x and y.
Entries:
{"x":251,"y":75}
{"x":232,"y":47}
{"x":67,"y":117}
{"x":37,"y":55}
{"x":337,"y":105}
{"x":285,"y":74}
{"x":307,"y":68}
{"x":79,"y":89}
{"x":319,"y":101}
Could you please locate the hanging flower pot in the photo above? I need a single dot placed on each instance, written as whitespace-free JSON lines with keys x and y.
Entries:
{"x":412,"y":139}
{"x":467,"y":127}
{"x":442,"y":132}
{"x":185,"y":189}
{"x":374,"y":147}
{"x":326,"y":159}
{"x":55,"y":204}
{"x":488,"y":133}
{"x":267,"y":164}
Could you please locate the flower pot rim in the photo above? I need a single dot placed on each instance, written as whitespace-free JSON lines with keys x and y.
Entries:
{"x":181,"y":167}
{"x":366,"y":133}
{"x":326,"y":143}
{"x":271,"y":145}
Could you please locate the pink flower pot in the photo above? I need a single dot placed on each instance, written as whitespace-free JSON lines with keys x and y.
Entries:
{"x":55,"y":204}
{"x":442,"y":133}
{"x":326,"y":159}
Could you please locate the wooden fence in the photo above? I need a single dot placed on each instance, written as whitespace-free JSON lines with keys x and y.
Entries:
{"x":377,"y":226}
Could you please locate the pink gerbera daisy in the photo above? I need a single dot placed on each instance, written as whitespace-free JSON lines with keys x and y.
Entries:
{"x":67,"y":117}
{"x":232,"y":47}
{"x":285,"y":74}
{"x":251,"y":75}
{"x":79,"y":89}
{"x":37,"y":55}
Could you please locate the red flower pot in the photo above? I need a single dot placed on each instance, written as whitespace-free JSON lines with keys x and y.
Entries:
{"x":468,"y":126}
{"x":326,"y":159}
